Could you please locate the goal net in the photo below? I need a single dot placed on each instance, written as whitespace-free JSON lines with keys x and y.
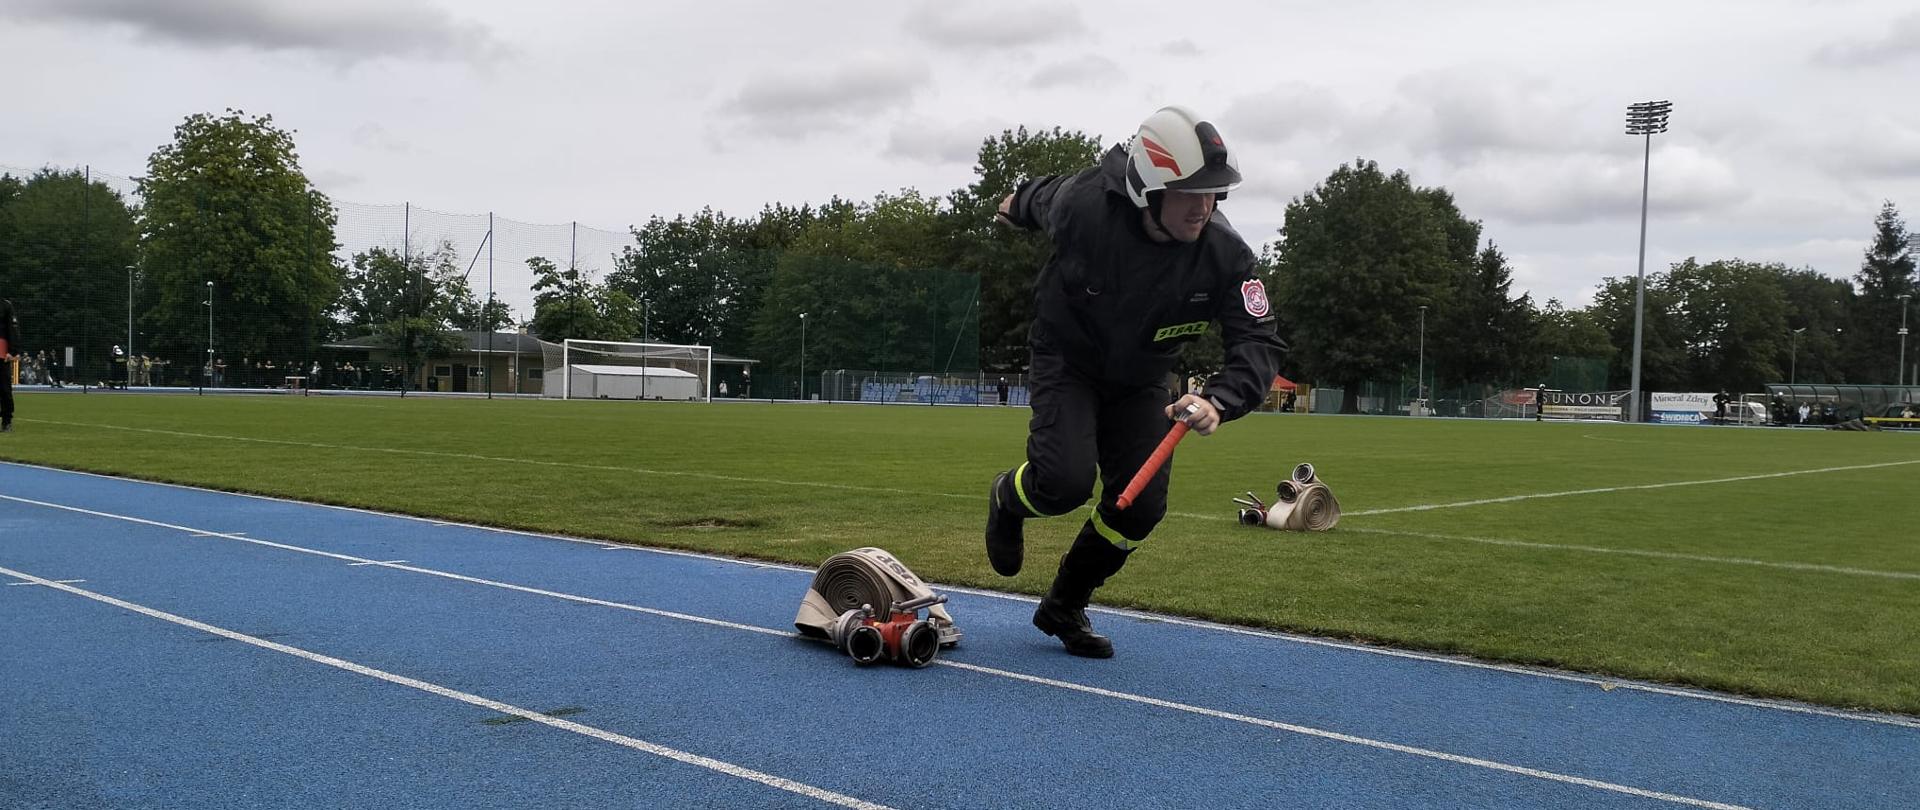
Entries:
{"x":601,"y":369}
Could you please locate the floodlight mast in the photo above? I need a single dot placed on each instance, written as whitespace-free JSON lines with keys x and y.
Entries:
{"x":1647,"y":118}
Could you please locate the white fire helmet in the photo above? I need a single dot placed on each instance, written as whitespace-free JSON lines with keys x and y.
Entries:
{"x":1175,"y":149}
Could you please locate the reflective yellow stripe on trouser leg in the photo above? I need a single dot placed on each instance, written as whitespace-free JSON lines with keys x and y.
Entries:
{"x":1117,"y":539}
{"x":1020,"y":490}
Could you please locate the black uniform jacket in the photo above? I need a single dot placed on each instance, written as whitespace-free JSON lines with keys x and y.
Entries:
{"x":1116,"y":306}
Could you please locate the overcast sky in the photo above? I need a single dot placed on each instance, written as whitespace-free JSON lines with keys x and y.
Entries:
{"x":1792,"y":121}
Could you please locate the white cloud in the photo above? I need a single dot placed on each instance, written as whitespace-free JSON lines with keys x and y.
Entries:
{"x":1567,"y":189}
{"x":1876,"y":148}
{"x":351,"y":30}
{"x":1088,"y":70}
{"x":1284,"y":112}
{"x":805,"y":100}
{"x":1180,"y":49}
{"x":936,"y":142}
{"x":994,"y":26}
{"x":1899,"y":41}
{"x":1464,"y":114}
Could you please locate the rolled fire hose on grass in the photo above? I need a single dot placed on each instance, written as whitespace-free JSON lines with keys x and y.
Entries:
{"x":854,"y":590}
{"x":1302,"y":503}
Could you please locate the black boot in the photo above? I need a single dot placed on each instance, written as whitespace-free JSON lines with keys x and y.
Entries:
{"x":1063,"y":611}
{"x":1006,"y":538}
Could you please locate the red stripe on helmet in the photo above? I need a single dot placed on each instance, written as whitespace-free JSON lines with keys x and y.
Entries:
{"x":1159,"y":156}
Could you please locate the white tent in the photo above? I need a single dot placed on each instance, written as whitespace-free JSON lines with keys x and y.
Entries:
{"x":633,"y":382}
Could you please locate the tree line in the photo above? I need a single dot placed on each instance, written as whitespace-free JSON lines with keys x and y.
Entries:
{"x":904,"y":281}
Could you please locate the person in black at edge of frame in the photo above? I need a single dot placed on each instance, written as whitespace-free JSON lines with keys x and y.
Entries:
{"x":1141,"y":263}
{"x":9,"y":349}
{"x":1720,"y":407}
{"x":1539,"y":404}
{"x":1001,"y":388}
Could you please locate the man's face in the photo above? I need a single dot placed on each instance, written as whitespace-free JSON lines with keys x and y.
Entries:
{"x":1184,"y":214}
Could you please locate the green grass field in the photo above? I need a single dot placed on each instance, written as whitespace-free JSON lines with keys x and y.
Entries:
{"x":1803,"y":586}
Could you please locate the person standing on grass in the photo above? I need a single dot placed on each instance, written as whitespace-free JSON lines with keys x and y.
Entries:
{"x":1142,"y":264}
{"x":9,"y":349}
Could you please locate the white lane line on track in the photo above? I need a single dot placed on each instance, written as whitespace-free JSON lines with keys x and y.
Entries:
{"x":1628,"y":488}
{"x":1662,"y":555}
{"x":377,"y":562}
{"x":1094,"y":690}
{"x":1316,"y":641}
{"x":1346,"y":738}
{"x":728,"y":768}
{"x":60,"y":581}
{"x":415,"y":569}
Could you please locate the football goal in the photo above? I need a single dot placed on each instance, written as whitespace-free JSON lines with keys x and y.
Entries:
{"x":601,"y":369}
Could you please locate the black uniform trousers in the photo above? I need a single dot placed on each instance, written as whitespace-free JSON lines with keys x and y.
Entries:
{"x":1081,"y":427}
{"x":6,"y":391}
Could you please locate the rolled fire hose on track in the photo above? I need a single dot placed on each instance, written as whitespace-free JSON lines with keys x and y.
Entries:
{"x":872,"y":581}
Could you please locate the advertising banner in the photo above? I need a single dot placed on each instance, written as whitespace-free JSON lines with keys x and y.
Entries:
{"x":1586,"y":405}
{"x":1682,"y":409}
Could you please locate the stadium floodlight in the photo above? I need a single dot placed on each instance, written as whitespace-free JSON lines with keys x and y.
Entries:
{"x":1647,"y":118}
{"x":1793,"y":365}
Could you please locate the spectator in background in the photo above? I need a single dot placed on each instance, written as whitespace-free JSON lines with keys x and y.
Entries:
{"x":1805,"y":411}
{"x":1001,"y":387}
{"x":1720,"y":407}
{"x":1539,"y":404}
{"x":723,"y":389}
{"x":49,"y":369}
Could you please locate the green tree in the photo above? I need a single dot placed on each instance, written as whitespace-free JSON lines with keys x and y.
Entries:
{"x":693,"y":278}
{"x":226,"y":202}
{"x":568,"y":304}
{"x":1872,"y":341}
{"x":412,"y":303}
{"x":1817,"y":308}
{"x":869,"y":277}
{"x":1007,"y":261}
{"x":67,"y":248}
{"x":1663,"y":345}
{"x":1733,"y":315}
{"x":1483,"y":335}
{"x":1357,"y":257}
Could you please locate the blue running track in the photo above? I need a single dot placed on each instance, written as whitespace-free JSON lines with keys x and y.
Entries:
{"x":171,"y":647}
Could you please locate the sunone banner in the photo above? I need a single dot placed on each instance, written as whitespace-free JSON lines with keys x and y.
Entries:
{"x":1585,"y":405}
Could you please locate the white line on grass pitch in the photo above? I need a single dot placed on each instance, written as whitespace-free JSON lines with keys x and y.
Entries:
{"x":1093,"y":690}
{"x":1662,"y":555}
{"x":509,"y":460}
{"x":1628,"y":488}
{"x":728,"y":768}
{"x":1316,"y":641}
{"x":919,"y":493}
